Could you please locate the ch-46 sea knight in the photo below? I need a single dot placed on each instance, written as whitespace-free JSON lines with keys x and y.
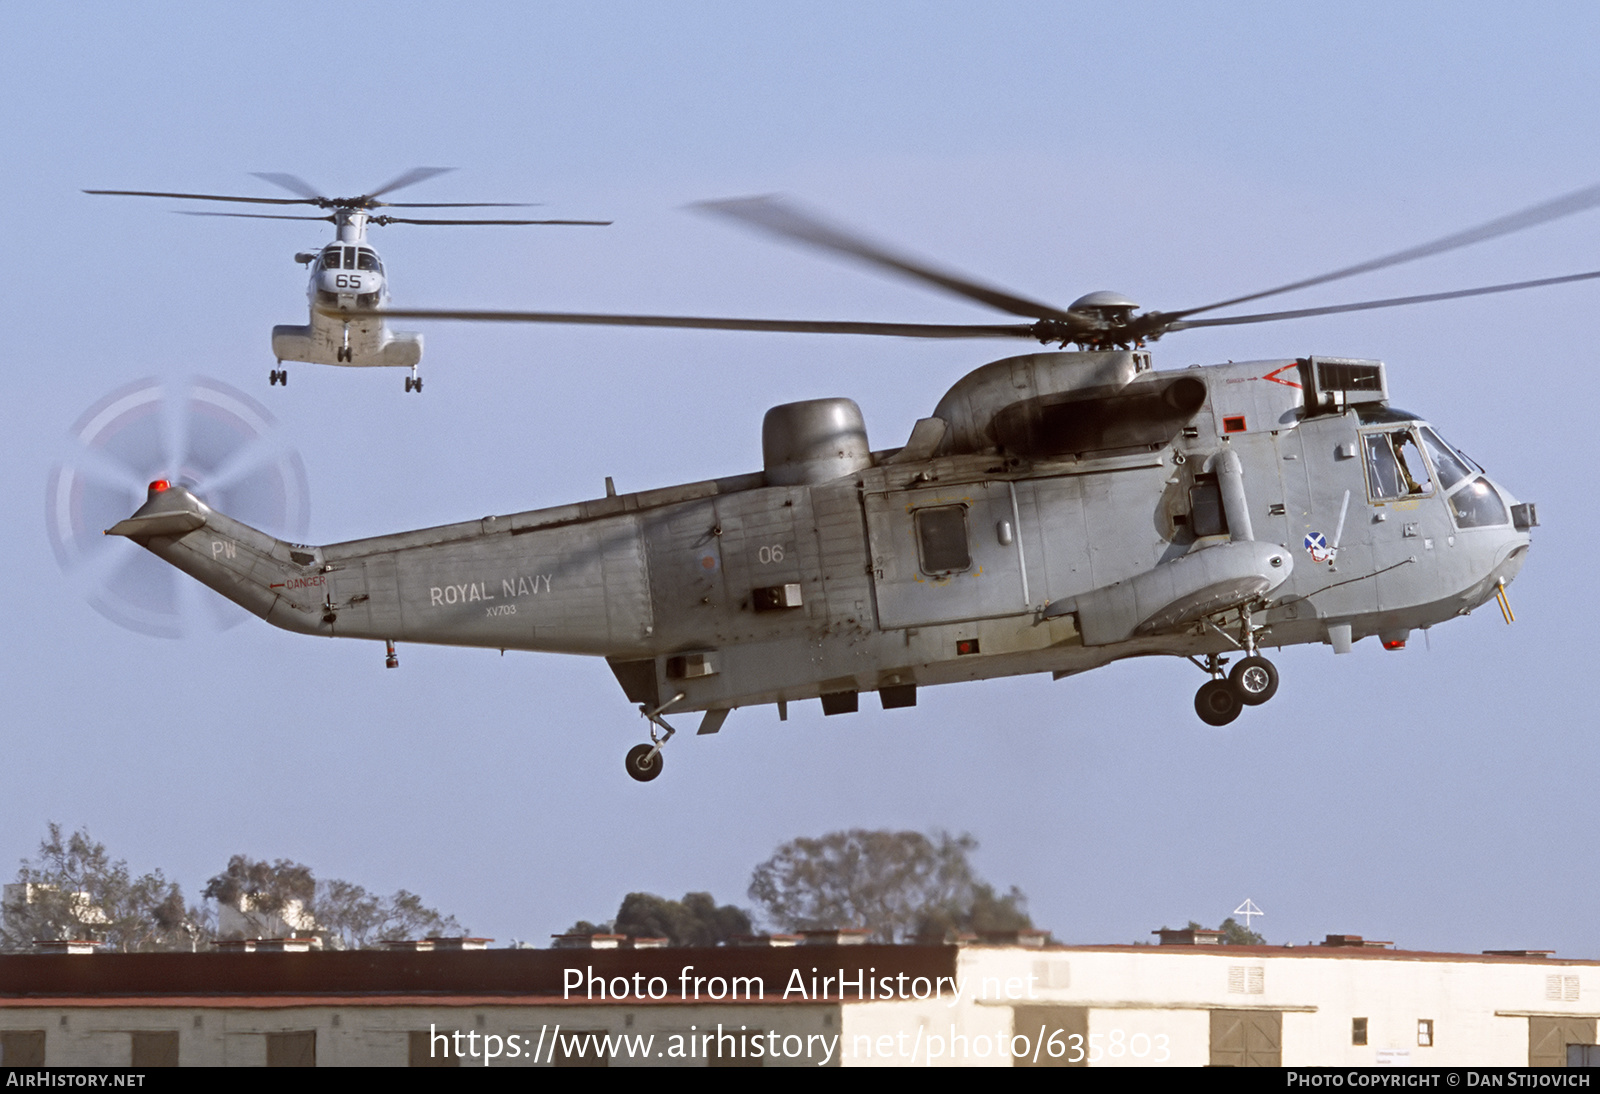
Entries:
{"x":1057,"y":511}
{"x":349,"y":287}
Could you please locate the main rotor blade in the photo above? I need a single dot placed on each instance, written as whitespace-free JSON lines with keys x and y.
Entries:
{"x":251,"y":216}
{"x":204,"y":197}
{"x":1543,"y":213}
{"x":409,"y":178}
{"x":292,"y":183}
{"x":411,"y":220}
{"x":1392,"y":302}
{"x":787,"y":326}
{"x":778,"y":218}
{"x":458,"y":204}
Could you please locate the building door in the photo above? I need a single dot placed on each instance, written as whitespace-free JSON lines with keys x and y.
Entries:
{"x":1549,"y":1036}
{"x":1246,"y":1038}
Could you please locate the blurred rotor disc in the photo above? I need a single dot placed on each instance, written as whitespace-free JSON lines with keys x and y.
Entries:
{"x":207,"y":435}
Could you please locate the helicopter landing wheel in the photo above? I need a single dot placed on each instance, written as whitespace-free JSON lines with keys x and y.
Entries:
{"x":278,"y":376}
{"x":644,"y":762}
{"x":1255,"y":679}
{"x":1217,"y":703}
{"x":414,"y":383}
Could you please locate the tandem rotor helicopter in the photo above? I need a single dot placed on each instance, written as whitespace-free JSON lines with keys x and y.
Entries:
{"x":347,"y":276}
{"x":1057,"y":511}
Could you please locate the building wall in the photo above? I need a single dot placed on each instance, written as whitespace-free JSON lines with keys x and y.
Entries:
{"x":989,"y":1006}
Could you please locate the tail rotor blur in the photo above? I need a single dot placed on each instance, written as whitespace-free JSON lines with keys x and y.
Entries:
{"x":211,"y":437}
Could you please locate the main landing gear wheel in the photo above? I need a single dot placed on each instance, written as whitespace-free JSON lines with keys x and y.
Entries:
{"x":413,"y":383}
{"x":278,"y":376}
{"x":1255,"y":679}
{"x":1217,"y":702}
{"x":644,"y":762}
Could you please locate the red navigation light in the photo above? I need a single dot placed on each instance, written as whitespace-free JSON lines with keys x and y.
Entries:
{"x":1396,"y":644}
{"x":160,"y":485}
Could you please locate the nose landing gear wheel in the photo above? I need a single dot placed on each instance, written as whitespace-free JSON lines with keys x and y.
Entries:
{"x":642,"y":766}
{"x":1255,"y":679}
{"x":1217,"y":703}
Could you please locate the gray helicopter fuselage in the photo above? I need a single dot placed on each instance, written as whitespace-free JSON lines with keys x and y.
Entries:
{"x":1057,"y":512}
{"x":347,"y":276}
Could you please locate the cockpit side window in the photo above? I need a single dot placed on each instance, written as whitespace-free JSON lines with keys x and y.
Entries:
{"x":366,"y":259}
{"x":331,"y":259}
{"x":1395,"y":467}
{"x":1383,"y":474}
{"x":1413,"y":468}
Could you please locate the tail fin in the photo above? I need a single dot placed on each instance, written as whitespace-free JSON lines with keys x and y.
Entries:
{"x":267,"y":577}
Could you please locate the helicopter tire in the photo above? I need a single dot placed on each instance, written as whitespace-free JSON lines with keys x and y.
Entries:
{"x":1255,"y":679}
{"x":1217,"y":703}
{"x":641,"y":766}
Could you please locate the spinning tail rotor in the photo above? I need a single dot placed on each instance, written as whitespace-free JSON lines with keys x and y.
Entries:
{"x":202,"y":433}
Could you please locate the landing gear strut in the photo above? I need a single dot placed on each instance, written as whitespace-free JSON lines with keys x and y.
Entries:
{"x":1252,"y":682}
{"x":414,"y":382}
{"x":644,"y":761}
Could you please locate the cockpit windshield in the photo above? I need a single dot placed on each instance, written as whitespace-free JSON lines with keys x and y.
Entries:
{"x":1449,"y":466}
{"x":367,"y":259}
{"x":331,"y":258}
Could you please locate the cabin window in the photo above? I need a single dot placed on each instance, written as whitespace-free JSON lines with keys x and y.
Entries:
{"x":1395,"y":467}
{"x":366,"y":260}
{"x":942,"y":539}
{"x":331,"y":259}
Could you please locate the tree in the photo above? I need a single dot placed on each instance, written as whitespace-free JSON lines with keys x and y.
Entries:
{"x":285,"y":897}
{"x":984,"y":913}
{"x":265,"y":899}
{"x":75,"y":890}
{"x":693,"y":921}
{"x":696,"y":920}
{"x":900,"y":885}
{"x":1235,"y":933}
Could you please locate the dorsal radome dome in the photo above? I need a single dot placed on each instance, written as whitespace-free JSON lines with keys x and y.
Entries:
{"x":1095,"y":301}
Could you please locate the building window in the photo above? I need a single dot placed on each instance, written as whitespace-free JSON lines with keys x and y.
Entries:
{"x":431,"y":1049}
{"x":581,"y":1048}
{"x":1561,"y":988}
{"x":293,"y":1049}
{"x":154,"y":1048}
{"x":1358,"y":1031}
{"x":22,"y":1048}
{"x":1425,"y":1033}
{"x":1247,"y":979}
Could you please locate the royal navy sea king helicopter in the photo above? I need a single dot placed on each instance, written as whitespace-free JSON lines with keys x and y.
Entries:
{"x":1056,"y":511}
{"x":349,"y":288}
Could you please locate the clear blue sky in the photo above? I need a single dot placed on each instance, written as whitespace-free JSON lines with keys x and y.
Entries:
{"x":1177,"y":152}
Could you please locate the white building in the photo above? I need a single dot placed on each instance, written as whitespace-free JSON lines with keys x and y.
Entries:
{"x":1187,"y":1002}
